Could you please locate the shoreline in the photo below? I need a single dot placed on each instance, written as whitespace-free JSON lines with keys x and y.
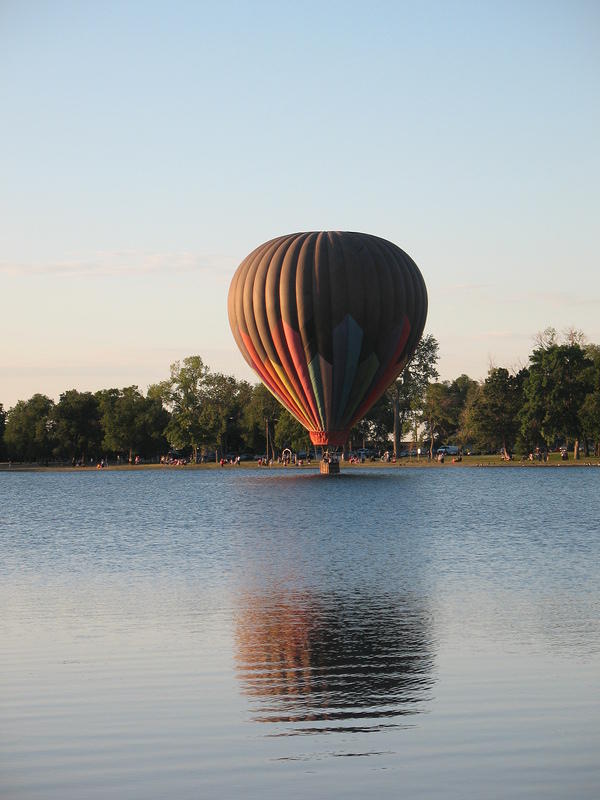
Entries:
{"x":423,"y":463}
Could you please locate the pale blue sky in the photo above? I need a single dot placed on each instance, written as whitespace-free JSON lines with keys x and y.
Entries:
{"x":146,"y":148}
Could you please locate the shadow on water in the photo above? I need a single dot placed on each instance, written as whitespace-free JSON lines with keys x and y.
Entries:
{"x":306,"y":478}
{"x":332,"y":663}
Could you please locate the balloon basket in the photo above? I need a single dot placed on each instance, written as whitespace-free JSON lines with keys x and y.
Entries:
{"x":329,"y":467}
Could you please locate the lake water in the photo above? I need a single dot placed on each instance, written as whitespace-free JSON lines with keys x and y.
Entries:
{"x":430,"y":633}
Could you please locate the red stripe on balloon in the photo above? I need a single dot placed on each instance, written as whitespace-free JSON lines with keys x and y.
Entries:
{"x":283,"y":390}
{"x":278,"y":337}
{"x":277,"y":389}
{"x":296,"y":349}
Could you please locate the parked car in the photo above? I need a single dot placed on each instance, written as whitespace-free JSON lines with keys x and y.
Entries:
{"x":367,"y":452}
{"x":449,"y":450}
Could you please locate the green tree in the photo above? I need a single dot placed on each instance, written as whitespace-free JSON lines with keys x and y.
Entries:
{"x":237,"y":434}
{"x":290,"y":433}
{"x":491,"y":417}
{"x":374,"y":428}
{"x":546,"y":338}
{"x":132,"y":423}
{"x":590,"y":410}
{"x":207,"y":408}
{"x":76,"y":427}
{"x":183,"y":394}
{"x":460,"y":390}
{"x":560,"y":377}
{"x":406,"y":395}
{"x":260,"y":416}
{"x":28,"y":429}
{"x":222,"y":406}
{"x":589,"y":417}
{"x":592,"y":351}
{"x":2,"y":428}
{"x":438,"y":413}
{"x":469,"y":432}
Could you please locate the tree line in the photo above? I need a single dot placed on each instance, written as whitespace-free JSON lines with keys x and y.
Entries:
{"x":553,"y":401}
{"x":202,"y":414}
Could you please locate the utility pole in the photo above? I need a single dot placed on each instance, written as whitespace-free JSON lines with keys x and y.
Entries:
{"x":267,"y":437}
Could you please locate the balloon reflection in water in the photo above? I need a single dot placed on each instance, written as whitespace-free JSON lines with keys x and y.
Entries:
{"x":339,"y":663}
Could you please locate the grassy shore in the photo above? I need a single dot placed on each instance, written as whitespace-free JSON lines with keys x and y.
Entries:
{"x":404,"y":463}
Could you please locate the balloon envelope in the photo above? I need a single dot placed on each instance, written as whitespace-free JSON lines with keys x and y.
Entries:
{"x":328,"y":320}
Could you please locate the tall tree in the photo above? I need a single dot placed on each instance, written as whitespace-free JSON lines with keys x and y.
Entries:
{"x":406,"y":395}
{"x":374,"y":428}
{"x":132,"y":423}
{"x":560,"y":377}
{"x":492,"y":420}
{"x":28,"y":430}
{"x":236,"y":428}
{"x":589,"y":416}
{"x":460,"y":391}
{"x":260,"y":417}
{"x":222,"y":403}
{"x":546,"y":338}
{"x":590,"y":410}
{"x":592,"y":351}
{"x":76,"y":430}
{"x":183,"y":394}
{"x":469,"y":432}
{"x":438,"y":413}
{"x":2,"y":428}
{"x":290,"y":433}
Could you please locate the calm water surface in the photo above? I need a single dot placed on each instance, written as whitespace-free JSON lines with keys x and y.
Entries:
{"x":202,"y":634}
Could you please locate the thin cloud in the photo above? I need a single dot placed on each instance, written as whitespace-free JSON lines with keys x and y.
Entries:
{"x":551,"y":298}
{"x":560,"y":298}
{"x":486,"y":334}
{"x":467,"y":287}
{"x":499,"y":334}
{"x":120,"y":263}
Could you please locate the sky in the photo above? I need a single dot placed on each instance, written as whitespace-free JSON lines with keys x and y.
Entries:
{"x":146,"y":148}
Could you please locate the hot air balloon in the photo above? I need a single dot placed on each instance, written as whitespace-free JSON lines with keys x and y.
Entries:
{"x":328,"y":320}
